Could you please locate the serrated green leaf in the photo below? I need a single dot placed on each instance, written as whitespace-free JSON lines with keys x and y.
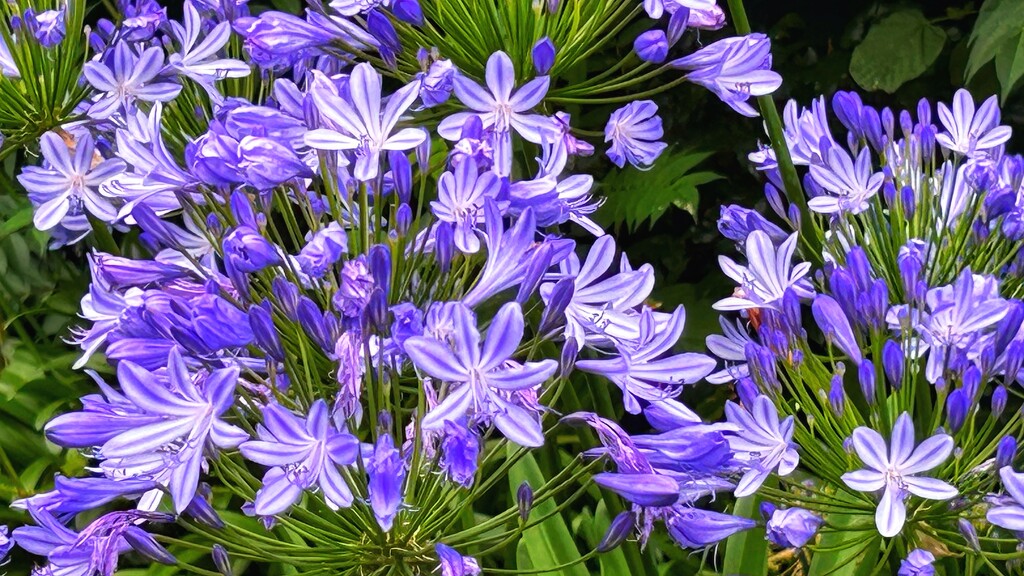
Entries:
{"x":1010,"y":65}
{"x":897,"y":49}
{"x":549,"y":543}
{"x":633,"y":197}
{"x":998,"y":22}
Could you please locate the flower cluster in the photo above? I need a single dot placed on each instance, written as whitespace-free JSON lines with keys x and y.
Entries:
{"x":898,"y":385}
{"x":348,"y":327}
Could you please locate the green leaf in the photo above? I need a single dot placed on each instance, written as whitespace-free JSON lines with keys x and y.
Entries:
{"x":896,"y":50}
{"x":1010,"y":65}
{"x":999,"y":21}
{"x":747,"y":552}
{"x":549,"y":543}
{"x":851,"y":549}
{"x":633,"y":197}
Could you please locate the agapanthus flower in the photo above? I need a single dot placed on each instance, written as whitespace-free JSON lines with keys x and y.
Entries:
{"x":634,"y":131}
{"x":734,"y":69}
{"x":917,"y":563}
{"x":461,"y":195}
{"x":47,"y":26}
{"x":969,"y":131}
{"x":451,"y":563}
{"x":730,"y":346}
{"x":386,"y":471}
{"x":6,"y":543}
{"x":198,"y":59}
{"x":896,"y":468}
{"x":792,"y":527}
{"x":852,"y":184}
{"x":762,"y":441}
{"x":360,"y":125}
{"x":485,"y":373}
{"x":1009,"y":513}
{"x":645,"y":369}
{"x":70,"y":184}
{"x":127,"y":77}
{"x":500,"y":109}
{"x":305,"y":454}
{"x":769,"y":273}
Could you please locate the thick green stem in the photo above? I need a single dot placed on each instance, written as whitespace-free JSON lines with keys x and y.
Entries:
{"x":773,"y":124}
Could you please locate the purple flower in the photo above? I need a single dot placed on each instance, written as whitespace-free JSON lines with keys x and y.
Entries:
{"x":359,"y":124}
{"x":47,"y":27}
{"x":386,"y":472}
{"x":896,"y":467}
{"x":1009,"y":513}
{"x":486,"y":374}
{"x":357,"y":283}
{"x":198,"y":60}
{"x":792,"y":527}
{"x":836,"y":326}
{"x":704,"y":14}
{"x":279,"y":39}
{"x":451,"y":563}
{"x":324,"y":249}
{"x":852,"y":185}
{"x":767,"y":276}
{"x":461,"y":196}
{"x":69,"y":185}
{"x":459,"y":452}
{"x":247,"y":251}
{"x":500,"y":110}
{"x":762,"y":442}
{"x":917,"y":563}
{"x":5,"y":543}
{"x":305,"y":455}
{"x":696,"y":528}
{"x":127,"y":77}
{"x":601,"y":308}
{"x":968,"y":132}
{"x":634,"y":131}
{"x":573,"y":145}
{"x":730,"y":346}
{"x":543,"y":55}
{"x":645,"y":370}
{"x":436,"y":83}
{"x":734,"y":69}
{"x":737,"y":222}
{"x":651,"y":46}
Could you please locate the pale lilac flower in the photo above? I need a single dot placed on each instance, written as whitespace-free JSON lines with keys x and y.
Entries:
{"x":706,"y":14}
{"x":461,"y":195}
{"x":734,"y":69}
{"x":643,"y":371}
{"x":360,"y":124}
{"x":852,"y":184}
{"x":917,"y":563}
{"x":305,"y":454}
{"x":969,"y":131}
{"x":126,"y":78}
{"x":451,"y":563}
{"x":895,"y":469}
{"x":792,"y":527}
{"x":69,"y":185}
{"x":1008,"y":513}
{"x":762,"y":442}
{"x":502,"y":110}
{"x":730,"y":346}
{"x":198,"y":60}
{"x":634,"y":131}
{"x":485,"y":373}
{"x":767,"y":276}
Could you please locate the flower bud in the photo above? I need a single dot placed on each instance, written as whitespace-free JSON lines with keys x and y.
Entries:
{"x":403,"y":219}
{"x":747,"y":391}
{"x":619,"y":529}
{"x":543,"y":54}
{"x":524,"y":499}
{"x":866,"y":375}
{"x":200,"y":510}
{"x":557,"y":302}
{"x":539,"y":264}
{"x":567,"y":360}
{"x":837,"y":396}
{"x":969,"y":534}
{"x":1006,"y":451}
{"x":833,"y":322}
{"x":444,"y":246}
{"x":956,"y":409}
{"x":999,"y":397}
{"x":221,"y":561}
{"x":144,"y":543}
{"x":892,"y":363}
{"x":971,"y":382}
{"x":652,"y":46}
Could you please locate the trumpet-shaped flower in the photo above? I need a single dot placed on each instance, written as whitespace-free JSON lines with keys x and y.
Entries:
{"x":634,"y":131}
{"x":198,"y":60}
{"x":360,"y":125}
{"x":305,"y":454}
{"x":895,"y":469}
{"x":734,"y":69}
{"x":851,"y":184}
{"x":769,"y":273}
{"x":762,"y":441}
{"x":501,"y":110}
{"x":484,"y":373}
